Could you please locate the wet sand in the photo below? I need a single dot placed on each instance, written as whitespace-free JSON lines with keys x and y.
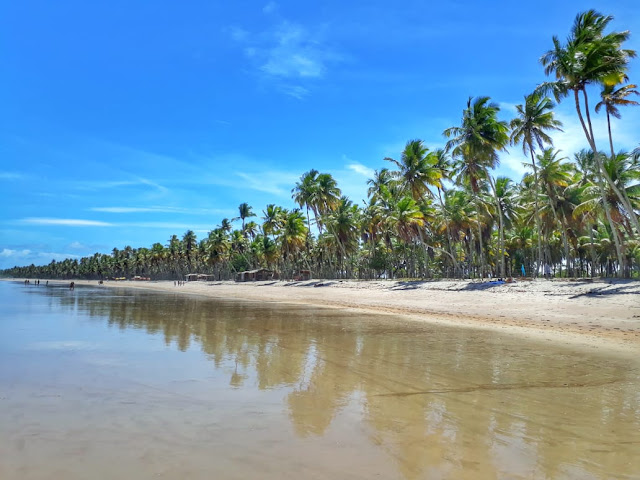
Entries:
{"x":107,"y":383}
{"x":599,"y":313}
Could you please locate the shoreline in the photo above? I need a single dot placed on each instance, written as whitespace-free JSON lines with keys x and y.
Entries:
{"x":598,"y":313}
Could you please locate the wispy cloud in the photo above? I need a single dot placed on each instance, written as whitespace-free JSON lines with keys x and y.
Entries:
{"x":277,"y":183}
{"x":361,"y":169}
{"x":287,"y":52}
{"x":90,"y":185}
{"x":64,"y":222}
{"x":159,"y":209}
{"x":508,"y":107}
{"x":11,"y":176}
{"x":8,"y":253}
{"x":270,"y":8}
{"x":295,"y":91}
{"x":26,"y":254}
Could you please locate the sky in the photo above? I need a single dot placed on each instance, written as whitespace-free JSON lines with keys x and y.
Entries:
{"x":125,"y":122}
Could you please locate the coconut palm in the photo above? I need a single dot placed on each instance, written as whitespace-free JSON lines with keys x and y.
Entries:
{"x":380,"y":181}
{"x":328,"y":195}
{"x":305,"y":194}
{"x":416,"y":170}
{"x":272,"y":219}
{"x":475,"y":146}
{"x":612,"y":98}
{"x":245,"y":211}
{"x":535,"y":118}
{"x":589,"y":57}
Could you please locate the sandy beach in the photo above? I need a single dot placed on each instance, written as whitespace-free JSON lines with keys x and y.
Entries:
{"x":599,"y":313}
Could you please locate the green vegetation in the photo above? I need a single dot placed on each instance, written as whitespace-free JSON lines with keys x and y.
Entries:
{"x":443,"y":213}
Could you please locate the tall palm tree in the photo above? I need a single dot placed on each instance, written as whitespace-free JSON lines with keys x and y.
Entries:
{"x":416,"y":170}
{"x":530,"y":128}
{"x":612,"y":98}
{"x":328,"y":195}
{"x":475,"y":144}
{"x":189,"y":242}
{"x":305,"y":194}
{"x":380,"y":181}
{"x":589,"y":56}
{"x":272,"y":219}
{"x":245,"y":211}
{"x":343,"y":224}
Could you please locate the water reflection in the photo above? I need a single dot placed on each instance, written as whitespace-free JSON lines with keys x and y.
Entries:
{"x":441,"y":402}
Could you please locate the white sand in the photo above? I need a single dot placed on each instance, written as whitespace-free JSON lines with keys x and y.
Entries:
{"x":602,"y":313}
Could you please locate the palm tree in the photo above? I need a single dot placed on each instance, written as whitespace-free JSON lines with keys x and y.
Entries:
{"x":189,"y":241}
{"x":380,"y":181}
{"x":530,"y":128}
{"x":245,"y":211}
{"x":328,"y":195}
{"x":475,"y":145}
{"x":293,"y":235}
{"x":589,"y":56}
{"x":305,"y":194}
{"x":555,"y":178}
{"x":416,"y":170}
{"x":612,"y":98}
{"x":343,"y":224}
{"x":272,"y":219}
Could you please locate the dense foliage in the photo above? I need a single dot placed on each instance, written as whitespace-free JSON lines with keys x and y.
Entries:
{"x":443,"y":213}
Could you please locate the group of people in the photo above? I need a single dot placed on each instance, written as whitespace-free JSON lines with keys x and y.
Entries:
{"x":179,"y":283}
{"x":35,"y":282}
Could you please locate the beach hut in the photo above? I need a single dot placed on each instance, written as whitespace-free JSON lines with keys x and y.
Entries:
{"x":199,"y":277}
{"x":303,"y":275}
{"x":255,"y":275}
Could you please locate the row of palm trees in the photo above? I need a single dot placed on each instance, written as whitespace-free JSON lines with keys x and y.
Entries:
{"x":443,"y":213}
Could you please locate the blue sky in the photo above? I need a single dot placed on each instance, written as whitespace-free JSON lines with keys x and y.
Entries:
{"x":124,"y":122}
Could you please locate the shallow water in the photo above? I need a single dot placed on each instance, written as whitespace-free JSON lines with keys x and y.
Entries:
{"x":107,"y":383}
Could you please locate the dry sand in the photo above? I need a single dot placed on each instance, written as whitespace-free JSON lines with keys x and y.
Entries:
{"x":601,"y":313}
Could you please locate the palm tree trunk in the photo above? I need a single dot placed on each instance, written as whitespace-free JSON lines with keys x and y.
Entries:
{"x":479,"y":237}
{"x":620,"y":194}
{"x":601,"y":172}
{"x":592,"y":249}
{"x":500,"y":225}
{"x":565,"y":243}
{"x":537,"y":217}
{"x":613,"y":153}
{"x":449,"y":242}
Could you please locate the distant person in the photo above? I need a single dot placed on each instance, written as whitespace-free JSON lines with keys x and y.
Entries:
{"x":72,"y":285}
{"x":547,"y":271}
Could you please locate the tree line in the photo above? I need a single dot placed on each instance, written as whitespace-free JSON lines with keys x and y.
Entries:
{"x":443,"y":212}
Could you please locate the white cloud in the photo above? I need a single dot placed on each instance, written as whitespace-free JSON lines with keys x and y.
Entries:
{"x":66,"y":222}
{"x":160,"y":209}
{"x":270,"y":8}
{"x":514,"y":162}
{"x":10,"y":176}
{"x":27,"y":256}
{"x":295,"y":54}
{"x":361,"y":169}
{"x":295,"y":91}
{"x":77,"y":246}
{"x":277,"y":183}
{"x":508,"y":107}
{"x":7,"y":252}
{"x":122,"y":183}
{"x":287,"y":51}
{"x":238,"y":34}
